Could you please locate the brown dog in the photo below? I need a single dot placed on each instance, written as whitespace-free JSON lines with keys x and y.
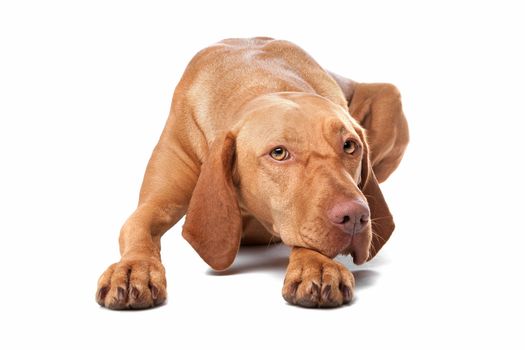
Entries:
{"x":263,"y":144}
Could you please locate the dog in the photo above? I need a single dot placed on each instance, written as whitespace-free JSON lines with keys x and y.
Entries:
{"x":262,"y":145}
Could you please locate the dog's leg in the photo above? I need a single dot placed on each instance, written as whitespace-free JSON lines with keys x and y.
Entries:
{"x":138,"y":280}
{"x":314,"y":280}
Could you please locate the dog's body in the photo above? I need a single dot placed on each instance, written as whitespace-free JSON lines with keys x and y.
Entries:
{"x":260,"y":146}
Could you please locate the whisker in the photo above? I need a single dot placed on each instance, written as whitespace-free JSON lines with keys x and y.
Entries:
{"x":270,"y":241}
{"x":380,"y":218}
{"x":368,"y":196}
{"x":378,"y":237}
{"x":373,"y":249}
{"x":376,"y":224}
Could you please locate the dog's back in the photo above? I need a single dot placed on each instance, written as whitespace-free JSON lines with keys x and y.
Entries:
{"x":233,"y":71}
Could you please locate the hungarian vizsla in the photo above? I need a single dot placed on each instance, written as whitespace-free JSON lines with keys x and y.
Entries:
{"x":263,"y":144}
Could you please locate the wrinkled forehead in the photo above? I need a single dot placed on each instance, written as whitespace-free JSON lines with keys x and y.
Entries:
{"x":295,"y":118}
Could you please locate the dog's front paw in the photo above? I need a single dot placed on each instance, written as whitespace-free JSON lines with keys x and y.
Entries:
{"x":132,"y":284}
{"x":313,"y":280}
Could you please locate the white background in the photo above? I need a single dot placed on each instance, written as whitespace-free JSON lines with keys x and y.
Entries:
{"x":85,"y":90}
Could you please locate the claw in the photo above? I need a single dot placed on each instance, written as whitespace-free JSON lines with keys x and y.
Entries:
{"x":134,"y":293}
{"x":121,"y":294}
{"x":154,"y":292}
{"x":314,"y":291}
{"x":102,"y":292}
{"x":293,"y":287}
{"x":327,"y":291}
{"x":346,"y":293}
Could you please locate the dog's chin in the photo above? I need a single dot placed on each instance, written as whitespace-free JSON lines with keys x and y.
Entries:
{"x":359,"y":256}
{"x":336,"y":242}
{"x":359,"y":248}
{"x":330,"y":244}
{"x":341,"y":243}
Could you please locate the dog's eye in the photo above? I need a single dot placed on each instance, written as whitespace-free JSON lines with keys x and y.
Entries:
{"x":279,"y":153}
{"x":350,"y":146}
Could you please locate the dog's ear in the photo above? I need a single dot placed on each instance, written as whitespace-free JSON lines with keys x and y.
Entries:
{"x":213,"y":221}
{"x":377,"y":108}
{"x":380,"y":217}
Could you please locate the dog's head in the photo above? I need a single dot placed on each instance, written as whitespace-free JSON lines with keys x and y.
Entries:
{"x":299,"y":164}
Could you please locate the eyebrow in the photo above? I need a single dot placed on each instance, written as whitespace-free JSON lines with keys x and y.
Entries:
{"x":286,"y":134}
{"x":334,"y":126}
{"x":285,"y":140}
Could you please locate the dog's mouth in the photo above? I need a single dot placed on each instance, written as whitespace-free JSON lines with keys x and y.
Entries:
{"x":330,"y":242}
{"x":359,"y":256}
{"x":336,"y":242}
{"x":359,"y":248}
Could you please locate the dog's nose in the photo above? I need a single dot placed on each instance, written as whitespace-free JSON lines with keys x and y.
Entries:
{"x":351,"y":216}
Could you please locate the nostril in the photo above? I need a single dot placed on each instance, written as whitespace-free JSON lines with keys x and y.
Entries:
{"x":350,"y":216}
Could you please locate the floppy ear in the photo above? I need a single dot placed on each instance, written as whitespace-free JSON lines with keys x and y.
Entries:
{"x":381,"y":219}
{"x":377,"y":107}
{"x":213,"y":220}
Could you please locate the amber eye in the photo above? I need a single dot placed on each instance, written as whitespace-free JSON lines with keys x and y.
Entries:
{"x":350,"y":146}
{"x":279,"y":153}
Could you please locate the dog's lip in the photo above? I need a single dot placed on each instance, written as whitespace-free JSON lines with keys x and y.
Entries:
{"x":359,"y":256}
{"x":341,"y":242}
{"x":358,"y":259}
{"x":359,"y":250}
